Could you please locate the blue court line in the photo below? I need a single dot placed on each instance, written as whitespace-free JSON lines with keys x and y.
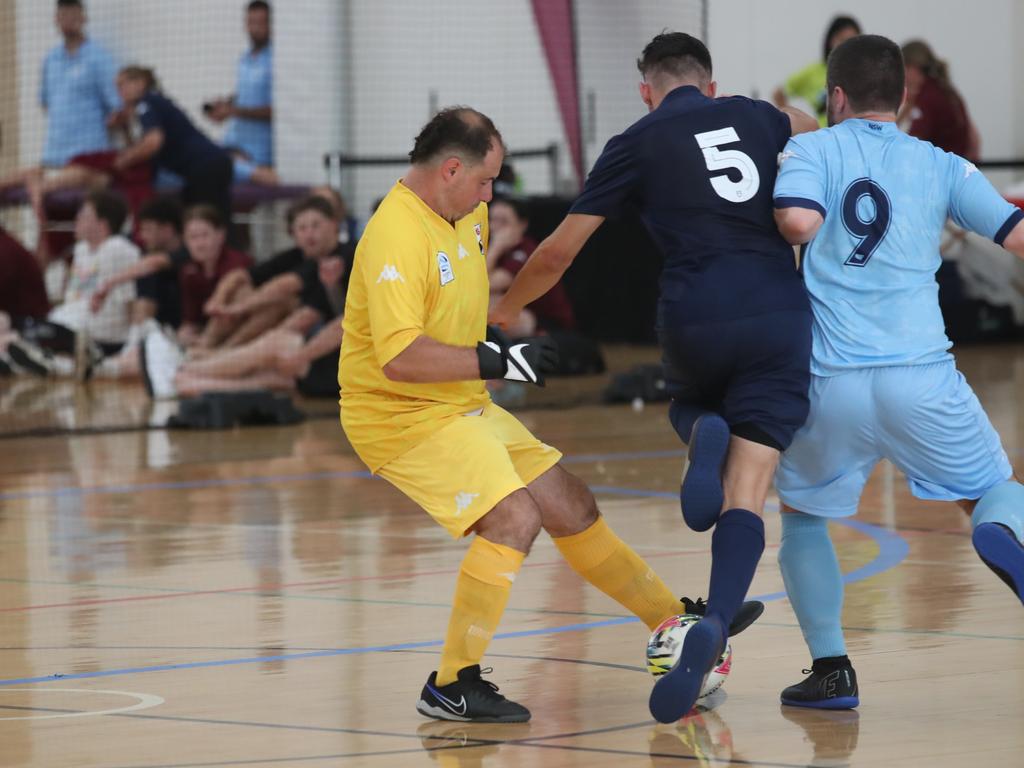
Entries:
{"x":73,"y":490}
{"x":891,"y":551}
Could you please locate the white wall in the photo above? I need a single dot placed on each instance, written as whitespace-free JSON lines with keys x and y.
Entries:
{"x":192,"y":44}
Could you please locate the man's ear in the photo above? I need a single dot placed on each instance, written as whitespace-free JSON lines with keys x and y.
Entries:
{"x":450,"y":167}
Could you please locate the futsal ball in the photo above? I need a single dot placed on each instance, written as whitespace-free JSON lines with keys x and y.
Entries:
{"x":666,"y":644}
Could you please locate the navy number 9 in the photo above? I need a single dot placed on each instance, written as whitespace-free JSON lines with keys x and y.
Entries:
{"x":872,"y":227}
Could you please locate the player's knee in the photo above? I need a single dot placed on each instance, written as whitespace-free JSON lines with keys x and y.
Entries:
{"x":514,"y":522}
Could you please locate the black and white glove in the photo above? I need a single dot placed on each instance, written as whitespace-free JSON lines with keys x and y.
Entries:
{"x":523,"y":360}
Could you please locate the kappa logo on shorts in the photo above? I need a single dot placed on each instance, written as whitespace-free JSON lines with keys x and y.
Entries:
{"x":463,"y":500}
{"x":390,"y":275}
{"x":444,"y":267}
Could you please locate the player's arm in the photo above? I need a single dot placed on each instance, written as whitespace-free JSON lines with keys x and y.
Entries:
{"x":798,"y":225}
{"x":800,"y":191}
{"x":275,"y":291}
{"x":546,"y":266}
{"x":147,"y":265}
{"x":799,"y":121}
{"x":1014,"y":241}
{"x":976,"y":205}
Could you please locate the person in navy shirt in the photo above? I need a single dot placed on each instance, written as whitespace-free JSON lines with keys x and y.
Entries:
{"x":172,"y":142}
{"x":733,"y":316}
{"x":76,"y":90}
{"x":249,"y":136}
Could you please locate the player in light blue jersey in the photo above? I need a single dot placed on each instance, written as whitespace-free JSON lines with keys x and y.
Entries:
{"x":870,"y":203}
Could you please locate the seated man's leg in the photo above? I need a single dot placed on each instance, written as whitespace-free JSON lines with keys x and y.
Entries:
{"x":258,"y":323}
{"x":478,"y":491}
{"x":193,"y":386}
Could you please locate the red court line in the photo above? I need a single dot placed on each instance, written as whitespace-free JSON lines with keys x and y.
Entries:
{"x":321,"y":582}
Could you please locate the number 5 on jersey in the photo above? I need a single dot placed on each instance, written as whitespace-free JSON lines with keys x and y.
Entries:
{"x":723,"y":159}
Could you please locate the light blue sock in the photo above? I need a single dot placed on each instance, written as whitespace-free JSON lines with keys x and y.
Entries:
{"x":1003,"y":504}
{"x":813,"y":581}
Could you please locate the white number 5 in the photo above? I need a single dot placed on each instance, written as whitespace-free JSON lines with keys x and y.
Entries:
{"x":719,"y":160}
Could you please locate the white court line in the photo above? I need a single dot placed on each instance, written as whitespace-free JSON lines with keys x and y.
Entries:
{"x":145,"y":701}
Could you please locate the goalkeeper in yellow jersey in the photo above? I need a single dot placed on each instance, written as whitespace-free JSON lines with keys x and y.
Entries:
{"x":414,"y":359}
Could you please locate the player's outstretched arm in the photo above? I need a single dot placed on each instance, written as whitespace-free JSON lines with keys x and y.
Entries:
{"x":427,"y":360}
{"x":798,"y":225}
{"x":1014,"y":241}
{"x":546,"y":266}
{"x":799,"y":121}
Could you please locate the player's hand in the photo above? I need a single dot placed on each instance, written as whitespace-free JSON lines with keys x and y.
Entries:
{"x":523,"y":360}
{"x":502,"y":316}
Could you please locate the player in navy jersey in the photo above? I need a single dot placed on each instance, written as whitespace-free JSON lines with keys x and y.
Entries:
{"x":733,"y":316}
{"x":870,"y":203}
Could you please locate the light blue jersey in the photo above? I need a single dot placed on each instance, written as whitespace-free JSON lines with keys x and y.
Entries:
{"x":870,"y":270}
{"x":254,"y":89}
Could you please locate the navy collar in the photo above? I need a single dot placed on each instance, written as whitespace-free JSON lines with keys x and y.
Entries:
{"x":684,"y":92}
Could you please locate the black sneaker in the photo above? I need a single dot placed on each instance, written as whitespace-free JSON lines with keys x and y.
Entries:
{"x":832,"y":684}
{"x":748,"y":613}
{"x":469,"y":699}
{"x":31,"y":358}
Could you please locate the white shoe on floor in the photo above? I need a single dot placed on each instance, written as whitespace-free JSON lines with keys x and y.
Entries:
{"x":161,"y":358}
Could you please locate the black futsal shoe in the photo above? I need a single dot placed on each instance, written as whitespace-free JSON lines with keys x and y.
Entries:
{"x":470,"y":699}
{"x":748,"y":613}
{"x":832,"y":684}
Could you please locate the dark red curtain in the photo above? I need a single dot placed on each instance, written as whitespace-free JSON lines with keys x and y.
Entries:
{"x":554,"y":23}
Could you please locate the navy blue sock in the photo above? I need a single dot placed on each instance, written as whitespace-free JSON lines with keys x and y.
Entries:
{"x":736,"y":548}
{"x":682,"y":416}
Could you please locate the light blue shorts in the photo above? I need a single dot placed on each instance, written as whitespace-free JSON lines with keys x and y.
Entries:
{"x":925,"y":419}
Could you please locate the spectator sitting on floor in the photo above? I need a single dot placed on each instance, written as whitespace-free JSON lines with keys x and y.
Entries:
{"x":43,"y":348}
{"x":249,"y":137}
{"x":173,"y":143}
{"x":348,"y":226}
{"x":508,"y":251}
{"x":248,"y":303}
{"x":198,"y":266}
{"x":301,"y":353}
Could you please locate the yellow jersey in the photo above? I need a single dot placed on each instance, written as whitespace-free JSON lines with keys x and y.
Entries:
{"x":413,"y":273}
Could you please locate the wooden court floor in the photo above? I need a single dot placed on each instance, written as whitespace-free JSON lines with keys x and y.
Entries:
{"x":252,"y":598}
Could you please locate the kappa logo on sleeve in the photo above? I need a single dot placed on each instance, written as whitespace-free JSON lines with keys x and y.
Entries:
{"x":390,"y":275}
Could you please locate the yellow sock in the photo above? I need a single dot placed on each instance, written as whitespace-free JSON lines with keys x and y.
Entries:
{"x":606,"y":561}
{"x":481,"y":591}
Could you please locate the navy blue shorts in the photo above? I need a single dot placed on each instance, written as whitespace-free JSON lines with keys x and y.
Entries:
{"x":754,"y":371}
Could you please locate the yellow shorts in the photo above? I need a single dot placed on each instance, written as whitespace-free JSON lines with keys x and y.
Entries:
{"x":463,"y":470}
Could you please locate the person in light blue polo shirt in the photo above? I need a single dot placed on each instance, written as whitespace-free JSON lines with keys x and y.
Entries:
{"x":249,"y":136}
{"x":77,"y":90}
{"x":869,"y":204}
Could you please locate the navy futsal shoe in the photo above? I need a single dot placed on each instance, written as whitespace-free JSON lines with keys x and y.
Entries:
{"x":999,"y":549}
{"x":677,"y":690}
{"x":701,"y":494}
{"x":470,"y":699}
{"x":748,"y":613}
{"x":831,"y":684}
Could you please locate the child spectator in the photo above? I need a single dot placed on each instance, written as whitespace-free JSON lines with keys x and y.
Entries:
{"x":508,"y":251}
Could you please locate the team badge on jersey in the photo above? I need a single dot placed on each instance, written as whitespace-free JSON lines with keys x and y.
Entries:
{"x":444,"y":266}
{"x":478,"y":231}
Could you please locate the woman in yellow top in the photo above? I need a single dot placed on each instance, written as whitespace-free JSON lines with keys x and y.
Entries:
{"x":809,"y":83}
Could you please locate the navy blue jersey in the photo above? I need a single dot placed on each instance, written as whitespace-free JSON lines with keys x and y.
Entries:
{"x":701,"y":173}
{"x":185,"y":147}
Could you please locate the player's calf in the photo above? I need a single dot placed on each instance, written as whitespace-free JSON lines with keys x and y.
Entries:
{"x":700,"y":494}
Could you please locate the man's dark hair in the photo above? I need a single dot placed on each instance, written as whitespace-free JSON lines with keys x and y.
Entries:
{"x":70,"y":4}
{"x":459,"y":131}
{"x":163,"y":210}
{"x":258,"y":5}
{"x":869,"y":69}
{"x":109,"y":207}
{"x":677,"y":55}
{"x":311,"y":203}
{"x":839,"y":23}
